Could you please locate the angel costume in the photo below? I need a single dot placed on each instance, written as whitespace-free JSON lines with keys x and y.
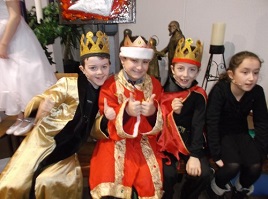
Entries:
{"x":62,"y":179}
{"x":27,"y":72}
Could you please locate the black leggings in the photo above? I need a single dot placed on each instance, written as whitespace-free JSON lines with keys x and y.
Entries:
{"x":248,"y":174}
{"x":191,"y":186}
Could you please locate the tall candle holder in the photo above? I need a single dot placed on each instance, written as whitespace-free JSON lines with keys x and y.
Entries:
{"x":216,"y":48}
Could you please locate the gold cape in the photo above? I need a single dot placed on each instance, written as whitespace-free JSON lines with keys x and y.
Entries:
{"x":61,"y":180}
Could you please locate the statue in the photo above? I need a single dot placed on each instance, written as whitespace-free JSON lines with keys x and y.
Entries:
{"x":176,"y":34}
{"x":154,"y":65}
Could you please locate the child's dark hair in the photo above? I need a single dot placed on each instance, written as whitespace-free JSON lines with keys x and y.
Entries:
{"x":100,"y":56}
{"x":236,"y":60}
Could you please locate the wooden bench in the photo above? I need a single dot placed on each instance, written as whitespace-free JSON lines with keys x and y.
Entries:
{"x":9,"y":143}
{"x":60,"y":75}
{"x":86,"y":151}
{"x":84,"y":156}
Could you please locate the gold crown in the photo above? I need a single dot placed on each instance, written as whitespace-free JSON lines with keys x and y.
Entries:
{"x":186,"y":52}
{"x":139,"y":42}
{"x":101,"y":46}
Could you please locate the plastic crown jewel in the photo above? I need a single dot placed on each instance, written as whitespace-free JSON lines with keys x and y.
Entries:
{"x":90,"y":47}
{"x":186,"y":52}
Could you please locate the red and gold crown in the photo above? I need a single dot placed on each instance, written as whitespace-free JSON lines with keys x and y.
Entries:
{"x":186,"y":52}
{"x":88,"y":47}
{"x":137,"y":49}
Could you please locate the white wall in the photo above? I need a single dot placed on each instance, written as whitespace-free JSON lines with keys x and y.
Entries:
{"x":56,"y":48}
{"x":246,"y":25}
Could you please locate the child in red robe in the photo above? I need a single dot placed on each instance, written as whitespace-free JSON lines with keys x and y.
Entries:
{"x":128,"y":156}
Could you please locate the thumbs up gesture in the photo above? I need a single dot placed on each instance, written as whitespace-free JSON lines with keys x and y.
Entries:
{"x":108,"y":111}
{"x":147,"y":107}
{"x":133,"y":107}
{"x":177,"y":104}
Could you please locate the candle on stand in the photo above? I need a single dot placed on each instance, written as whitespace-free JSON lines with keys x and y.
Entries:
{"x":217,"y":34}
{"x":38,"y":9}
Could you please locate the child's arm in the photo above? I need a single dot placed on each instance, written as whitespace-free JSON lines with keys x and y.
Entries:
{"x":215,"y":103}
{"x":11,"y":26}
{"x":197,"y":140}
{"x":108,"y":111}
{"x":57,"y":93}
{"x":260,"y":121}
{"x":177,"y":104}
{"x":44,"y":108}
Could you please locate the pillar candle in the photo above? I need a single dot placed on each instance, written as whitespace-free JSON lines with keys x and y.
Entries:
{"x":38,"y":9}
{"x":217,"y":34}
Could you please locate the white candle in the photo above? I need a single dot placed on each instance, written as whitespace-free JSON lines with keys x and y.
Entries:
{"x":217,"y":34}
{"x":39,"y":11}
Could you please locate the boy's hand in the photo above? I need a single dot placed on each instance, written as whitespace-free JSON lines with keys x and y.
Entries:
{"x":133,"y":107}
{"x":147,"y":107}
{"x":219,"y":163}
{"x":193,"y":166}
{"x":177,"y":104}
{"x":108,"y":111}
{"x":44,"y":108}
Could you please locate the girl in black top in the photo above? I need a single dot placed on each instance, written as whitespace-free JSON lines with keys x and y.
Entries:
{"x":232,"y":148}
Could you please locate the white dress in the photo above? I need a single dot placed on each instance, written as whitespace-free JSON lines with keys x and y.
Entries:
{"x":27,"y":72}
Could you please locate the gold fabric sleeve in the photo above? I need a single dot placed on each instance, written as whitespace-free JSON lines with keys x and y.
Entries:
{"x":96,"y":131}
{"x":16,"y":178}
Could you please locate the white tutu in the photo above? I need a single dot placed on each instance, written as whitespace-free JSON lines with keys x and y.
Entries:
{"x":26,"y":73}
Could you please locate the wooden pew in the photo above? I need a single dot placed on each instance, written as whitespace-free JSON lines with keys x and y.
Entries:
{"x":85,"y":153}
{"x":10,"y":143}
